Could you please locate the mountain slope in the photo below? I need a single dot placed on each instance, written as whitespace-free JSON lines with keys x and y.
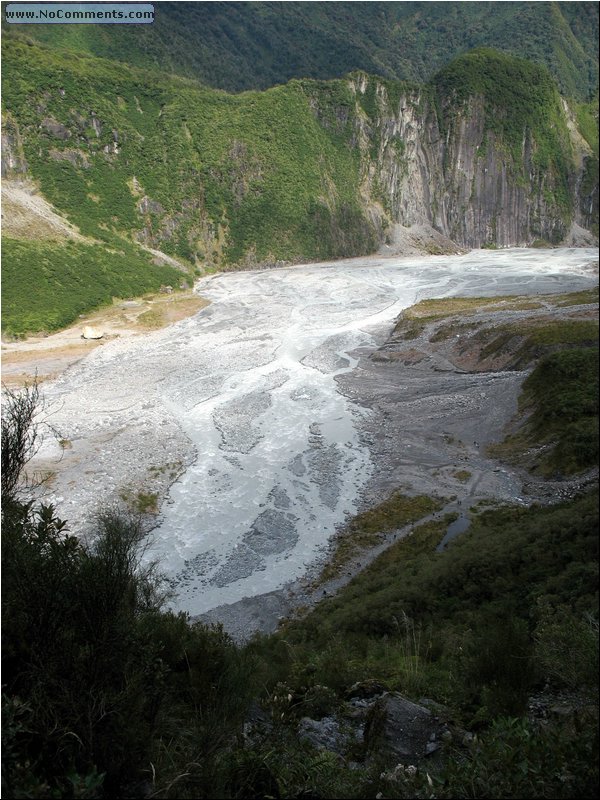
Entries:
{"x":239,"y":46}
{"x":487,"y":154}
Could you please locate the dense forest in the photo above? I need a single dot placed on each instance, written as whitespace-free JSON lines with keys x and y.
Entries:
{"x":240,"y":46}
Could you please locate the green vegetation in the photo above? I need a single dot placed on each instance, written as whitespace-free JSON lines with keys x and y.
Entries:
{"x":563,"y":391}
{"x":152,"y":318}
{"x":561,"y":397}
{"x":451,"y":330}
{"x":532,"y":339}
{"x":140,"y":501}
{"x":558,"y":407}
{"x":574,"y":298}
{"x":100,"y":687}
{"x":509,"y":558}
{"x":244,"y":46}
{"x":478,"y":627}
{"x":172,"y":469}
{"x":462,"y":475}
{"x":521,"y":100}
{"x":587,"y":122}
{"x":526,"y":340}
{"x":107,"y":695}
{"x":413,"y":320}
{"x":211,"y":178}
{"x":369,"y":528}
{"x":450,"y":306}
{"x":46,"y":285}
{"x":222,"y":180}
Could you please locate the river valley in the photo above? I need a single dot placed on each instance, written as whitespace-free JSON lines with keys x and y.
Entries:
{"x":267,"y":409}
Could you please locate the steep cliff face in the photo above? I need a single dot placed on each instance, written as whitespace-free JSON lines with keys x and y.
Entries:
{"x":13,"y":164}
{"x":430,"y":158}
{"x":487,"y":199}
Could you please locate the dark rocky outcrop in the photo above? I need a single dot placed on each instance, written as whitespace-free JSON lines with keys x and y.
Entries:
{"x":399,"y":727}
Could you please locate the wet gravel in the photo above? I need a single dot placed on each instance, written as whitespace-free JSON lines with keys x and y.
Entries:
{"x":270,"y":407}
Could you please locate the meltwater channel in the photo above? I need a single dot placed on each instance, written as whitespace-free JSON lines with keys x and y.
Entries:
{"x":251,"y":380}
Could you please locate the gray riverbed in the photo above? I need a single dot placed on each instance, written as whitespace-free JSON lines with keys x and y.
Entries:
{"x":257,"y":400}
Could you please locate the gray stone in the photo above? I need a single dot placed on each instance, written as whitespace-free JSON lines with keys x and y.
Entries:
{"x":402,"y":729}
{"x":327,"y":734}
{"x":272,"y":532}
{"x":324,"y":734}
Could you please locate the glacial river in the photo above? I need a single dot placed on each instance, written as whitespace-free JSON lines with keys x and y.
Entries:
{"x":250,"y":380}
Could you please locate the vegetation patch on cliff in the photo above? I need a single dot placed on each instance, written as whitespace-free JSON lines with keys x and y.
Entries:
{"x":530,"y":339}
{"x":560,"y":407}
{"x":521,"y":101}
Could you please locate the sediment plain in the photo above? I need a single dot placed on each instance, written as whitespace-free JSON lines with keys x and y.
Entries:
{"x":253,"y":430}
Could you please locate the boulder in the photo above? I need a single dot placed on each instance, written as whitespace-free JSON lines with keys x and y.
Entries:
{"x":400,"y":728}
{"x":329,"y":734}
{"x":324,"y":734}
{"x":91,"y":333}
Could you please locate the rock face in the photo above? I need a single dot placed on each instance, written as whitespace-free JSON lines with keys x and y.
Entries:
{"x":13,"y":160}
{"x":381,"y":725}
{"x":325,"y":734}
{"x":452,"y":173}
{"x":485,"y":155}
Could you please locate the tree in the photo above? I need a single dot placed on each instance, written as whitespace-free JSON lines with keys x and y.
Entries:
{"x":74,"y":654}
{"x":20,"y":413}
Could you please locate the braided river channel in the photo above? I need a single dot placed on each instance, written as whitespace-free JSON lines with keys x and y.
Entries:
{"x":246,"y":397}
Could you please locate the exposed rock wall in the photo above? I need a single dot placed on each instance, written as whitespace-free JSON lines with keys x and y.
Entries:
{"x":456,"y":175}
{"x":13,"y":164}
{"x":397,"y":166}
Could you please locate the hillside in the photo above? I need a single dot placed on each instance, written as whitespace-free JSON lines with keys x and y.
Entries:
{"x":240,"y":46}
{"x":486,"y":155}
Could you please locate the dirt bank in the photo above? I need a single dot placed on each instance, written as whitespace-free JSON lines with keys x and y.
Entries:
{"x":49,"y":356}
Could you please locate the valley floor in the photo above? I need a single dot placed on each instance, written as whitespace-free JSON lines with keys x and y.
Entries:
{"x":47,"y":357}
{"x":430,"y":424}
{"x":423,"y":415}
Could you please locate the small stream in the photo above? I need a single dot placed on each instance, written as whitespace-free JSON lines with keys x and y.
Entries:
{"x":460,"y":525}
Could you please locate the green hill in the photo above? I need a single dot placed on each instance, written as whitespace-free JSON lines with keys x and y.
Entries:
{"x":306,"y":171}
{"x":239,"y":46}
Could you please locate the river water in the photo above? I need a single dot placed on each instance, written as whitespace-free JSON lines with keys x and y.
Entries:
{"x":250,"y":380}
